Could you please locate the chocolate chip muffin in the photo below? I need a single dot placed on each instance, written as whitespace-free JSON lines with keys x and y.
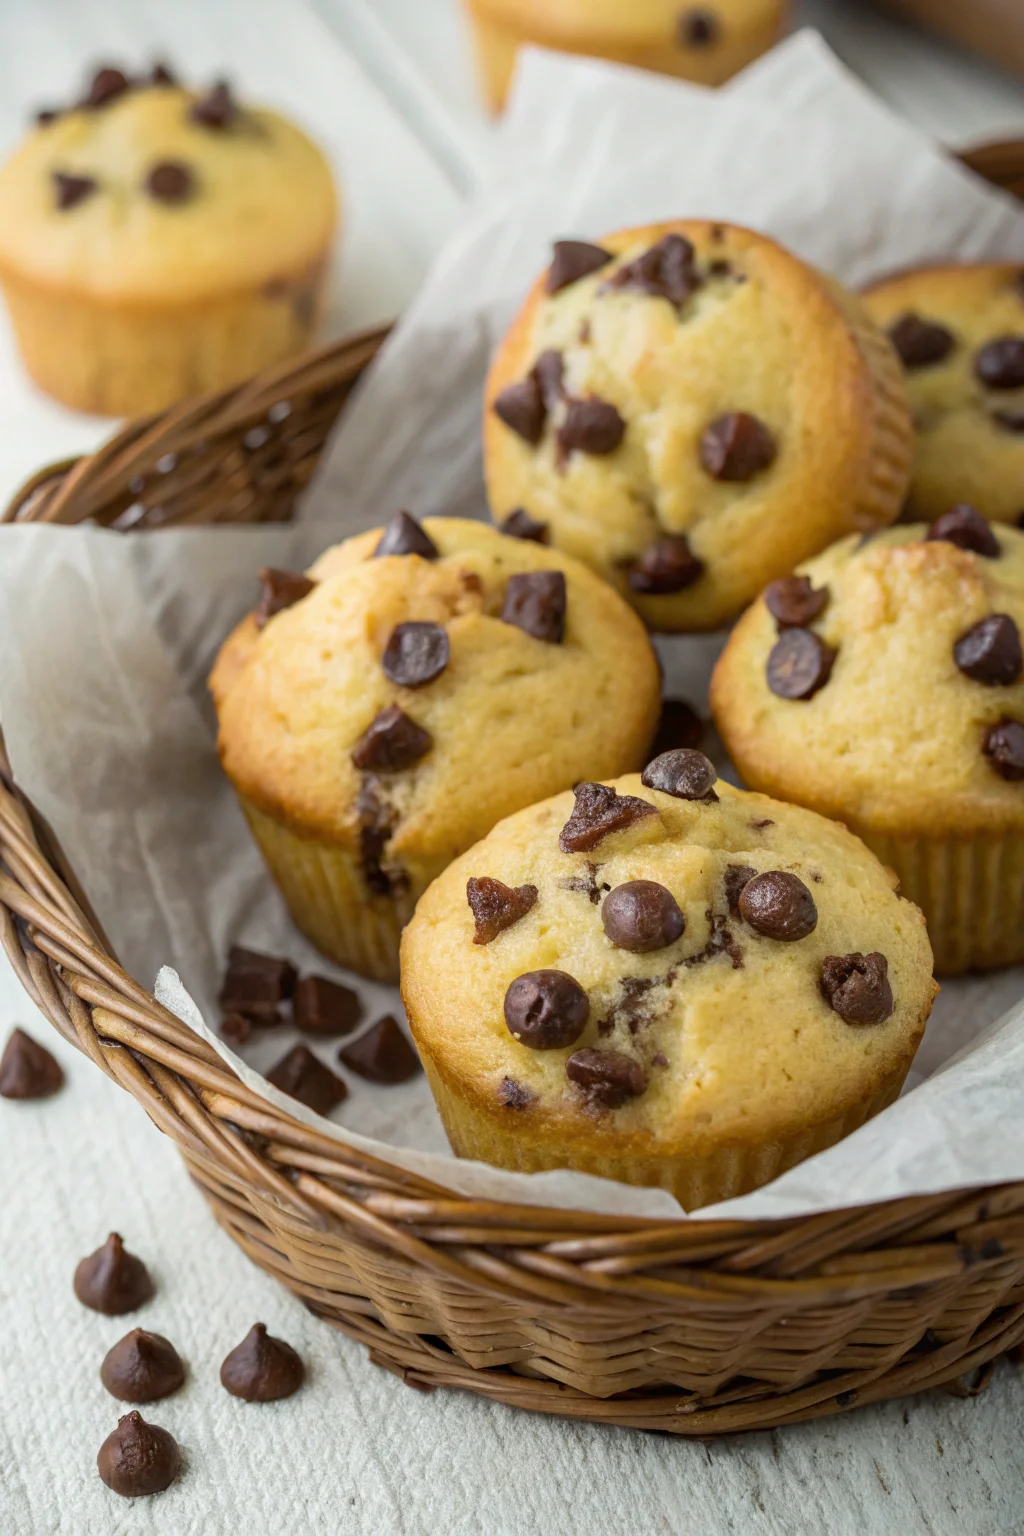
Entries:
{"x":379,"y":715}
{"x":157,"y":242}
{"x":882,"y":685}
{"x":707,"y":43}
{"x":666,"y":981}
{"x":959,"y":331}
{"x":692,"y":410}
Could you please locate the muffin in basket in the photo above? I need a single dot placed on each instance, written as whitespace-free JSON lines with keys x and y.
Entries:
{"x":666,"y":981}
{"x":380,"y":715}
{"x":959,"y":331}
{"x":692,"y":410}
{"x":157,"y":242}
{"x":882,"y":684}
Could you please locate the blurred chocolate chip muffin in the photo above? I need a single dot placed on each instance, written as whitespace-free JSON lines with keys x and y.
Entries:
{"x":692,"y":410}
{"x":883,"y":685}
{"x":379,"y":715}
{"x":666,"y":981}
{"x":157,"y":241}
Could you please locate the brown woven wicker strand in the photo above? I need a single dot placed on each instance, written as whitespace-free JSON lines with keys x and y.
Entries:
{"x":697,"y":1328}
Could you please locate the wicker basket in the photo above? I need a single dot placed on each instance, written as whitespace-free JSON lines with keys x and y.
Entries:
{"x":697,"y":1328}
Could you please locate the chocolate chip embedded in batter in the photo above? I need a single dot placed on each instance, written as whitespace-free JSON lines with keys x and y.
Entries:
{"x":391,"y":742}
{"x":990,"y":652}
{"x":303,"y":1076}
{"x":496,"y":906}
{"x":736,"y":447}
{"x":521,"y":407}
{"x":382,"y":1054}
{"x":170,"y":181}
{"x":281,"y":589}
{"x":162,"y":74}
{"x":610,"y":1078}
{"x":921,"y":343}
{"x":107,"y":85}
{"x":27,"y":1070}
{"x":513,"y":1094}
{"x":1004,"y":744}
{"x":405,"y":536}
{"x":573,"y":259}
{"x":1000,"y":363}
{"x":666,"y":271}
{"x":535,"y":603}
{"x":592,"y":426}
{"x":546,"y":1010}
{"x":857,"y":987}
{"x":667,"y":566}
{"x":799,"y":663}
{"x":698,"y":28}
{"x":779,"y":906}
{"x":112,"y":1280}
{"x":641,"y":916}
{"x":138,"y":1458}
{"x":325,"y":1008}
{"x":685,"y":773}
{"x":142,"y":1367}
{"x":599,"y":811}
{"x":737,"y":877}
{"x":262,"y":1369}
{"x":520,"y":525}
{"x":967,"y":529}
{"x":415,"y":654}
{"x":376,"y":824}
{"x":549,"y":371}
{"x":793,"y":602}
{"x":217,"y":109}
{"x":71,"y":190}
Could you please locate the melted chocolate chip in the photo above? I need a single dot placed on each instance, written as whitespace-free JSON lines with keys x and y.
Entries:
{"x":255,"y":985}
{"x":573,"y":259}
{"x":496,"y":906}
{"x":112,"y":1280}
{"x":303,"y":1076}
{"x":989,"y":652}
{"x":679,"y":726}
{"x":27,"y":1070}
{"x":1000,"y":363}
{"x":599,"y":811}
{"x":514,"y":1095}
{"x":325,"y":1008}
{"x":685,"y":774}
{"x":799,"y":663}
{"x":138,"y":1458}
{"x":281,"y":589}
{"x":641,"y":916}
{"x":667,"y":566}
{"x":142,"y":1367}
{"x":921,"y":343}
{"x":737,"y":877}
{"x":376,"y":824}
{"x":967,"y":529}
{"x":521,"y":407}
{"x":235,"y":1028}
{"x":71,"y":190}
{"x":666,"y":271}
{"x":546,"y":1010}
{"x":535,"y":603}
{"x":391,"y":742}
{"x":697,"y":28}
{"x":736,"y":447}
{"x":170,"y":181}
{"x":262,"y":1369}
{"x":610,"y":1078}
{"x":382,"y":1054}
{"x":592,"y":426}
{"x":793,"y":602}
{"x":405,"y":536}
{"x":779,"y":906}
{"x":415,"y":654}
{"x":549,"y":371}
{"x":217,"y":109}
{"x":520,"y":525}
{"x":1004,"y":744}
{"x":857,"y":987}
{"x":107,"y":85}
{"x":587,"y":883}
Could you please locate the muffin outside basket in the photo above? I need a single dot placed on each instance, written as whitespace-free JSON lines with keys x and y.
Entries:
{"x":696,"y":1328}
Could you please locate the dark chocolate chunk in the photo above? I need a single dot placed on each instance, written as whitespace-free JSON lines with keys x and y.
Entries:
{"x":520,"y":525}
{"x":685,"y":774}
{"x":535,"y":603}
{"x":162,"y":74}
{"x":779,"y":906}
{"x":857,"y":987}
{"x":514,"y":1095}
{"x":666,"y":566}
{"x":303,"y":1076}
{"x":170,"y":181}
{"x":405,"y":536}
{"x":1010,"y":421}
{"x":736,"y":447}
{"x":989,"y":652}
{"x":262,"y":1369}
{"x":496,"y":906}
{"x":255,"y":985}
{"x":391,"y":742}
{"x":382,"y":1054}
{"x":112,"y":1280}
{"x":281,"y":589}
{"x":142,"y":1367}
{"x":376,"y":824}
{"x":665,"y":271}
{"x":697,"y":28}
{"x":217,"y":109}
{"x":70,"y":190}
{"x":799,"y":663}
{"x":107,"y":85}
{"x":572,"y":260}
{"x":521,"y":407}
{"x":546,"y":1010}
{"x":235,"y":1028}
{"x":549,"y":371}
{"x":415,"y":654}
{"x":591,"y":426}
{"x":325,"y":1008}
{"x":1004,"y":744}
{"x":138,"y":1458}
{"x":599,"y":811}
{"x":1000,"y":363}
{"x":920,"y":343}
{"x":679,"y":726}
{"x":641,"y":916}
{"x":967,"y":529}
{"x":793,"y":602}
{"x":610,"y":1078}
{"x":27,"y":1070}
{"x":737,"y":876}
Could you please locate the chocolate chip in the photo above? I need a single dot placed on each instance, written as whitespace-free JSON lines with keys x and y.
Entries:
{"x":235,"y":1028}
{"x":376,"y":825}
{"x":1004,"y":744}
{"x":686,"y":774}
{"x":255,"y":985}
{"x":967,"y":529}
{"x":736,"y":447}
{"x":162,"y":74}
{"x":496,"y":906}
{"x":535,"y":603}
{"x":697,"y":29}
{"x":679,"y":726}
{"x":920,"y":343}
{"x":281,"y":589}
{"x":857,"y":987}
{"x":549,"y":371}
{"x":415,"y":654}
{"x":112,"y":1280}
{"x":138,"y":1458}
{"x":71,"y":190}
{"x":591,"y":426}
{"x":546,"y":1010}
{"x":1000,"y":363}
{"x":737,"y":876}
{"x":391,"y":742}
{"x":217,"y":109}
{"x":303,"y":1076}
{"x":610,"y":1078}
{"x":665,"y":271}
{"x":779,"y":906}
{"x":1010,"y":421}
{"x":520,"y":525}
{"x":142,"y":1367}
{"x":667,"y":566}
{"x":572,"y":260}
{"x":262,"y":1369}
{"x":799,"y":663}
{"x":169,"y":181}
{"x":513,"y":1094}
{"x":405,"y":536}
{"x":107,"y":85}
{"x":521,"y":407}
{"x":325,"y":1008}
{"x":641,"y":916}
{"x":47,"y":115}
{"x":382,"y":1054}
{"x":720,"y":267}
{"x":793,"y":602}
{"x":27,"y":1070}
{"x":989,"y":652}
{"x":597,"y":812}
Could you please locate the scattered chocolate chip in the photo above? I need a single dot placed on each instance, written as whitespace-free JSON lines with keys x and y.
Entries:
{"x":736,"y":447}
{"x":666,"y":271}
{"x":142,"y":1367}
{"x":112,"y":1280}
{"x":415,"y":654}
{"x":303,"y":1076}
{"x":513,"y":1094}
{"x":162,"y":74}
{"x":169,"y":181}
{"x":597,"y":812}
{"x":610,"y":1078}
{"x":521,"y":407}
{"x":779,"y":906}
{"x":737,"y":876}
{"x":217,"y":109}
{"x":1004,"y":744}
{"x":1000,"y":364}
{"x":667,"y":566}
{"x":535,"y":603}
{"x":572,"y":260}
{"x":641,"y":916}
{"x":549,"y":371}
{"x":71,"y":190}
{"x":405,"y":536}
{"x":799,"y":663}
{"x":967,"y":529}
{"x":391,"y":742}
{"x":281,"y":589}
{"x":697,"y":29}
{"x":255,"y":985}
{"x":793,"y":602}
{"x":679,"y":726}
{"x":520,"y":525}
{"x":262,"y":1369}
{"x":496,"y":906}
{"x":546,"y":1010}
{"x":920,"y":343}
{"x":686,"y":774}
{"x":591,"y":426}
{"x":325,"y":1008}
{"x":138,"y":1458}
{"x":27,"y":1070}
{"x":235,"y":1028}
{"x":107,"y":85}
{"x":989,"y":652}
{"x":376,"y":824}
{"x":382,"y":1054}
{"x":857,"y":987}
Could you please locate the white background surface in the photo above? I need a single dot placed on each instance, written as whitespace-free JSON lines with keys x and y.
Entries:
{"x":356,"y":1451}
